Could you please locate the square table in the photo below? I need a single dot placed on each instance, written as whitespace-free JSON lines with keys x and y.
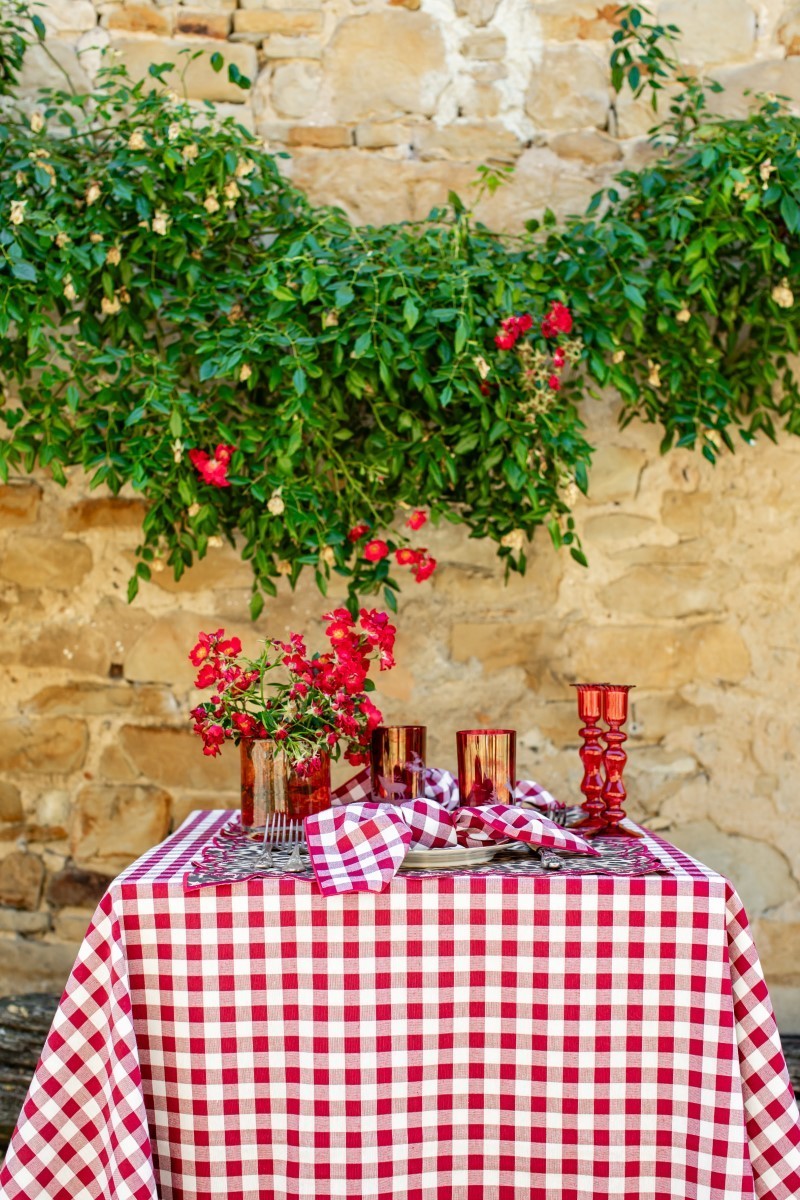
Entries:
{"x":470,"y":1036}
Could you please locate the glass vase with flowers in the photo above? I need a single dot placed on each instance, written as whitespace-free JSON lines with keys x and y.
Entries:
{"x":291,"y":711}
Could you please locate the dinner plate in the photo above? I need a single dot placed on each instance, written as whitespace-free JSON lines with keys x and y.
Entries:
{"x":450,"y":856}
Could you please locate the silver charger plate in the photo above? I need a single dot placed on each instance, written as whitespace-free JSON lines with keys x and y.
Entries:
{"x":450,"y":856}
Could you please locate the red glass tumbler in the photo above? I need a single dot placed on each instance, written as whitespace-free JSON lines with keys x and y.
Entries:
{"x":397,"y":762}
{"x":487,"y":765}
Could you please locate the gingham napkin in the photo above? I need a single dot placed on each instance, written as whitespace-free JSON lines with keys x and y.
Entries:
{"x":359,"y":843}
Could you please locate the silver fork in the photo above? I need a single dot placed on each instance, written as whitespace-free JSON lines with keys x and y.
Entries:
{"x":288,"y":835}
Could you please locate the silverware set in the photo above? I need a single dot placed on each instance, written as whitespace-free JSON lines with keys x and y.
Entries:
{"x":281,"y":833}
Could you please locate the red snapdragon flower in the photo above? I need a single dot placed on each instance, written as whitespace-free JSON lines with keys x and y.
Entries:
{"x":213,"y":470}
{"x":375,"y":550}
{"x":358,"y":532}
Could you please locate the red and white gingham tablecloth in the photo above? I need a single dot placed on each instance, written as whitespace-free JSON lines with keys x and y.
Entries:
{"x":474,"y":1037}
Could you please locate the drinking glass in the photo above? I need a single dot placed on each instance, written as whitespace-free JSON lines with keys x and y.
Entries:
{"x":397,"y":762}
{"x":487,"y":765}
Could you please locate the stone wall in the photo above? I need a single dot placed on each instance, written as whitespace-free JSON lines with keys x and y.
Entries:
{"x":692,"y":569}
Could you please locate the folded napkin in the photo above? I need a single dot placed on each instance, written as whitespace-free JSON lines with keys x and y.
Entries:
{"x":360,"y":843}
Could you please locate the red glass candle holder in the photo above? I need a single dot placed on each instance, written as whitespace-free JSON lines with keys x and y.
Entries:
{"x":590,"y":707}
{"x":487,"y":765}
{"x":397,"y":762}
{"x":615,"y":714}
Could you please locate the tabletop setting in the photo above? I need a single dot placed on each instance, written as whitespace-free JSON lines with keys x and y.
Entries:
{"x":419,"y":982}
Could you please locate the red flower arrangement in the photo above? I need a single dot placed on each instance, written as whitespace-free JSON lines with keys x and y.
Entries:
{"x":315,"y":703}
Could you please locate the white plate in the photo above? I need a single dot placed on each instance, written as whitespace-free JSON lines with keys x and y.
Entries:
{"x":450,"y":856}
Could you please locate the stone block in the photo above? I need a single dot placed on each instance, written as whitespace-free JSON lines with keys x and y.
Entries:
{"x":74,"y":887}
{"x":50,"y":747}
{"x":14,"y":920}
{"x":656,"y":716}
{"x":743,"y":84}
{"x":579,"y":21}
{"x":10,"y":802}
{"x":569,"y":89}
{"x":113,"y":826}
{"x":386,"y":63}
{"x":486,"y":46}
{"x":294,"y":88}
{"x":789,"y":31}
{"x":97,"y":700}
{"x":278,"y":47}
{"x":173,"y":759}
{"x":712,"y":31}
{"x":107,"y":512}
{"x":476,"y":141}
{"x":587,"y":145}
{"x":19,"y":504}
{"x":71,"y":924}
{"x":46,"y":69}
{"x":479,"y":12}
{"x":695,"y":514}
{"x":115,"y":766}
{"x":66,"y":17}
{"x":481,"y":100}
{"x":161,"y":655}
{"x":219,"y":568}
{"x":21,"y":879}
{"x":617,"y":527}
{"x":202,"y":23}
{"x":760,"y":873}
{"x":27,"y":964}
{"x":44,"y":562}
{"x":328,"y":137}
{"x":376,"y":135}
{"x":289,"y":22}
{"x":280,"y":5}
{"x":82,"y":643}
{"x":200,"y":80}
{"x":615,"y":473}
{"x":224,"y":6}
{"x":140,"y":18}
{"x":654,"y":657}
{"x":668,"y":590}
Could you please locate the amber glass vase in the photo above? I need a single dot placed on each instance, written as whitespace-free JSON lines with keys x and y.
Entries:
{"x":270,"y":785}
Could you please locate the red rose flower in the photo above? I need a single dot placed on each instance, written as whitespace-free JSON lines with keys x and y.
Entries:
{"x":213,"y":470}
{"x":505,"y":341}
{"x":358,"y":532}
{"x":424,"y":568}
{"x":485,"y":388}
{"x":405,"y":556}
{"x":417,"y":519}
{"x":554,"y":383}
{"x":375,"y":550}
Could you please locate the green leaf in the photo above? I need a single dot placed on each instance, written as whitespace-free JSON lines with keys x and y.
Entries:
{"x":24,"y":270}
{"x":299,"y":381}
{"x":217,"y":63}
{"x":410,"y":313}
{"x":578,"y":555}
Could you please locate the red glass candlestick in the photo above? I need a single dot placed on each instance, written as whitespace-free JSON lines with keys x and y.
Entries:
{"x":615,"y":714}
{"x":590,"y":706}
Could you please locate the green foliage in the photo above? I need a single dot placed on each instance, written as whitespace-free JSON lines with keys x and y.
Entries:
{"x":683,"y":275}
{"x":639,"y":57}
{"x":163,"y":288}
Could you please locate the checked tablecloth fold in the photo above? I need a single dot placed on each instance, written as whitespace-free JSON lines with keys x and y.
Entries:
{"x":478,"y":1037}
